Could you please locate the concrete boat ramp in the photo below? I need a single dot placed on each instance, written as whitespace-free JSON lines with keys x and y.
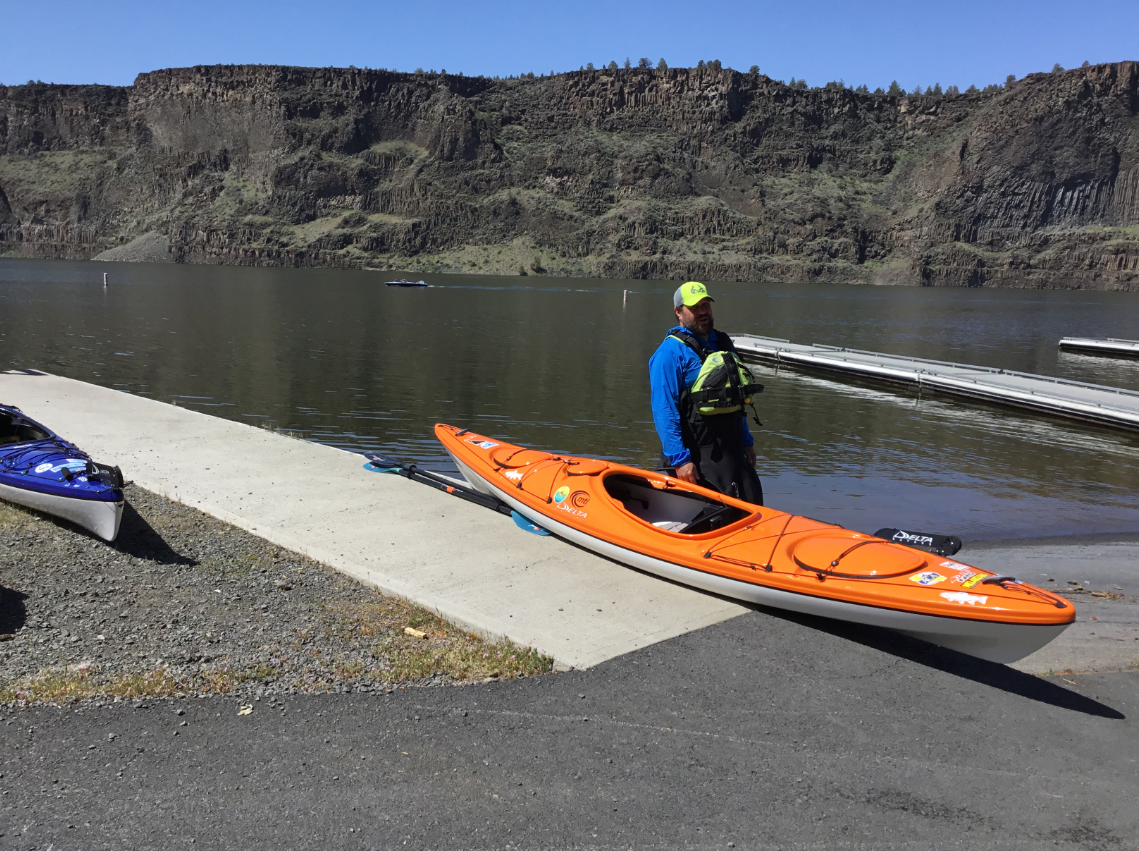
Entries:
{"x":472,"y":566}
{"x":1073,"y":399}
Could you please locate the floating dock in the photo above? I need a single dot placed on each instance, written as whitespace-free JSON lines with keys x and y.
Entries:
{"x":1057,"y":396}
{"x":1111,"y":346}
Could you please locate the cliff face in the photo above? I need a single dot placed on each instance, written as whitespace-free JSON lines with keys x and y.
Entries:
{"x":631,"y":173}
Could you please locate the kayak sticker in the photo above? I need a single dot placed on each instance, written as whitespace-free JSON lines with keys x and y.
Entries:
{"x":954,"y":565}
{"x":927,"y":578}
{"x":972,"y":580}
{"x":481,"y":442}
{"x":961,"y":598}
{"x":571,"y":503}
{"x":963,"y":576}
{"x":44,"y":467}
{"x":513,"y":475}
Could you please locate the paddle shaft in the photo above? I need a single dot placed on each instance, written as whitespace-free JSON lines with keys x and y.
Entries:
{"x":440,"y":483}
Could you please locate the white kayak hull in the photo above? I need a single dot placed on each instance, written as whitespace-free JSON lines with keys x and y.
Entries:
{"x":99,"y":517}
{"x":989,"y":640}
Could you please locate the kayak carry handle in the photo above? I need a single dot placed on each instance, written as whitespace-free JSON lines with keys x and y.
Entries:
{"x":1001,"y":578}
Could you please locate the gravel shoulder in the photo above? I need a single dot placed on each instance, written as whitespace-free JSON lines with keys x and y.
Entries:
{"x":184,"y":604}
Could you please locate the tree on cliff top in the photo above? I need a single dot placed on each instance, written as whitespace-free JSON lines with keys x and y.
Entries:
{"x":644,"y":62}
{"x":628,"y":64}
{"x":753,"y":70}
{"x":613,"y":65}
{"x":895,"y":89}
{"x":662,"y":65}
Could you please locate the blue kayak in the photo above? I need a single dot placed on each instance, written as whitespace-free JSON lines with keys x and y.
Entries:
{"x":41,"y":470}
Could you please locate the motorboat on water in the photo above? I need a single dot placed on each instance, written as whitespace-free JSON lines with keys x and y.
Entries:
{"x":41,"y":470}
{"x":704,"y":539}
{"x":405,"y":283}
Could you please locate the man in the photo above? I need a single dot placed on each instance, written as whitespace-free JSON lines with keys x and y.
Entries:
{"x":699,"y":388}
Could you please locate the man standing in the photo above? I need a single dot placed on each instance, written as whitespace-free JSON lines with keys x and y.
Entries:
{"x":699,"y":388}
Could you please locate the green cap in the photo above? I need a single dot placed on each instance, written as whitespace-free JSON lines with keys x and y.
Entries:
{"x":690,"y":294}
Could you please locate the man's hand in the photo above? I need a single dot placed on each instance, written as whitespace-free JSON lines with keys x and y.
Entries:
{"x":687,"y":473}
{"x":749,"y":455}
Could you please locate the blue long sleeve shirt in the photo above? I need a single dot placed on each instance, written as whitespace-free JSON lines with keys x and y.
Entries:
{"x":672,"y":367}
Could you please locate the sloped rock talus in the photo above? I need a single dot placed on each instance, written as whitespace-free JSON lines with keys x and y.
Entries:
{"x":671,"y":173}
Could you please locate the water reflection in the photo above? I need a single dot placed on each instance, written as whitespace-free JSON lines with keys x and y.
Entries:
{"x":338,"y":358}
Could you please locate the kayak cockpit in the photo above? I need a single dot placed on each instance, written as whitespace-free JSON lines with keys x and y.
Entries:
{"x":672,"y":509}
{"x":15,"y":429}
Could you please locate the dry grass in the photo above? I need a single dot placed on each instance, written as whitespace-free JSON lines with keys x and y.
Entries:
{"x":445,"y":649}
{"x":80,"y":682}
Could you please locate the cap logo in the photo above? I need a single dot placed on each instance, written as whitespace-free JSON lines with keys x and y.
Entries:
{"x":689,"y":294}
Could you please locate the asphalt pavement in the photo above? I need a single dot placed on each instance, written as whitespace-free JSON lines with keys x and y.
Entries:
{"x":764,"y":731}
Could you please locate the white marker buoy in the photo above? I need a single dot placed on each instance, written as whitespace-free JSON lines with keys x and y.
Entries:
{"x":104,"y":280}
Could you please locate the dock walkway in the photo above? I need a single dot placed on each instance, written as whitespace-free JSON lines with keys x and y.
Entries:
{"x":472,"y":566}
{"x":1111,"y":346}
{"x":1073,"y":399}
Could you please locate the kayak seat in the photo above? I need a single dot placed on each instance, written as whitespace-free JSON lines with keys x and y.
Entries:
{"x":671,"y":510}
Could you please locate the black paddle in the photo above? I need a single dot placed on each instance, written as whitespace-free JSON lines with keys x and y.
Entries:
{"x":393,"y":465}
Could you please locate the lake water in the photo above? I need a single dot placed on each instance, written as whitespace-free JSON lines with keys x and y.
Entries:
{"x":560,"y":364}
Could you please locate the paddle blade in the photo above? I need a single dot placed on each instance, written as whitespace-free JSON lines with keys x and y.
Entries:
{"x":942,"y":545}
{"x":524,"y":524}
{"x":383,"y":463}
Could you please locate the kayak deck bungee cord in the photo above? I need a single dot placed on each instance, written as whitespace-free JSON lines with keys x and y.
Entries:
{"x":707,"y":540}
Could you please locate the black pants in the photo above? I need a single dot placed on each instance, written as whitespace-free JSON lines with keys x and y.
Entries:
{"x":726,"y":472}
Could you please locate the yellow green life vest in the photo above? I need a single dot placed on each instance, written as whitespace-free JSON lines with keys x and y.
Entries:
{"x":723,"y":385}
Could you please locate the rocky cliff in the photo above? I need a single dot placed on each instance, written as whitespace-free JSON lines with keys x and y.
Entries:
{"x":630,"y":173}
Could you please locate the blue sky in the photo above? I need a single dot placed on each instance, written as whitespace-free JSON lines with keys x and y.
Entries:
{"x":962,"y":43}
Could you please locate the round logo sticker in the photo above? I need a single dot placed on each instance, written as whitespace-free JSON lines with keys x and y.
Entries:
{"x":561,"y":493}
{"x":44,"y":467}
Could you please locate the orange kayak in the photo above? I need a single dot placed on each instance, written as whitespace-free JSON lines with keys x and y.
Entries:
{"x":710,"y":541}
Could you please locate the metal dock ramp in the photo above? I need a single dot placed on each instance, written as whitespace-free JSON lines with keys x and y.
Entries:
{"x":1111,"y":346}
{"x":1061,"y":397}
